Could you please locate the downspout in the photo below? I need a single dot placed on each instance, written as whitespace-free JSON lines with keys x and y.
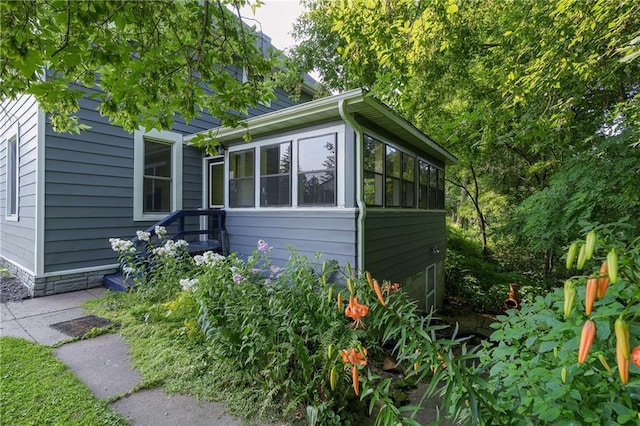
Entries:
{"x":362,"y":212}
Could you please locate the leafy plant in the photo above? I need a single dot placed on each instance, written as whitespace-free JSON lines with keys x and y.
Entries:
{"x":532,"y":359}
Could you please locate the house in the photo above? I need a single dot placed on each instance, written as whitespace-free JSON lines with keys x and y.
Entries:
{"x":343,"y":176}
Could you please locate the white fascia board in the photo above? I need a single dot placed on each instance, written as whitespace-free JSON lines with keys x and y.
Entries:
{"x":307,"y":109}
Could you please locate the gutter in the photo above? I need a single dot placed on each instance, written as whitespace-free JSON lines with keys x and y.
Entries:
{"x":362,"y":211}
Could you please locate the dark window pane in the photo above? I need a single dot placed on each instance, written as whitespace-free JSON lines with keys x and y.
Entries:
{"x":373,"y":155}
{"x":423,"y":201}
{"x":408,"y":190}
{"x":424,"y":197}
{"x":392,"y":192}
{"x":241,"y":192}
{"x":157,"y":158}
{"x":440,"y":189}
{"x":408,"y":178}
{"x":275,"y":191}
{"x":157,"y":195}
{"x":156,"y":188}
{"x":216,"y":184}
{"x":316,"y":170}
{"x":433,"y":186}
{"x":275,"y":159}
{"x":394,"y":162}
{"x":241,"y":179}
{"x":317,"y":188}
{"x":373,"y":183}
{"x":275,"y":164}
{"x":241,"y":164}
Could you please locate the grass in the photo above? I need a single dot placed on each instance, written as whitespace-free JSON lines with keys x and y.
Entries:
{"x":166,"y":355}
{"x":36,"y":389}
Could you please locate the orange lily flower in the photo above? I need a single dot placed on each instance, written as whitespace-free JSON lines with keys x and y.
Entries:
{"x":388,"y":287}
{"x":355,"y":358}
{"x":356,"y":311}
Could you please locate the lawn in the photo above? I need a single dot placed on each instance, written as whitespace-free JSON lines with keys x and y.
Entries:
{"x":37,"y":389}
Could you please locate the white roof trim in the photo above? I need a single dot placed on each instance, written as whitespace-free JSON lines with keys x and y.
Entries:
{"x":354,"y":100}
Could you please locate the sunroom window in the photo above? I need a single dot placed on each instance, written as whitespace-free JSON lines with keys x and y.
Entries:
{"x":373,"y":171}
{"x":408,"y":180}
{"x":317,"y":170}
{"x":241,"y":179}
{"x":393,"y":172}
{"x":275,"y":175}
{"x":423,"y":193}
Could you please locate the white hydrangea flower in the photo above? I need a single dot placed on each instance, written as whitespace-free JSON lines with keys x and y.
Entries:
{"x":208,"y":258}
{"x":161,"y":231}
{"x":188,"y":284}
{"x":143,"y":236}
{"x":122,"y":246}
{"x":181,"y":244}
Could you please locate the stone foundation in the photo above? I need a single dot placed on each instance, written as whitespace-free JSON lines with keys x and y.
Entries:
{"x":54,"y":284}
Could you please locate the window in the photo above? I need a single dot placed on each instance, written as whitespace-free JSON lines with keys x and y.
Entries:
{"x":393,"y":172}
{"x":389,"y":175}
{"x":408,"y":180}
{"x":373,"y":171}
{"x":216,"y":183}
{"x":157,"y":174}
{"x":156,"y":191}
{"x":440,"y":196}
{"x":13,"y":166}
{"x":423,"y":193}
{"x":317,"y":170}
{"x":241,"y":179}
{"x":433,"y":186}
{"x":275,"y":175}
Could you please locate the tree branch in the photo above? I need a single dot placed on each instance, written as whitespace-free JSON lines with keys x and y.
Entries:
{"x":66,"y":36}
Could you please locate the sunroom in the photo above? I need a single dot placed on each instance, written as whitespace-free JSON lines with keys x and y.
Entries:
{"x":341,"y":176}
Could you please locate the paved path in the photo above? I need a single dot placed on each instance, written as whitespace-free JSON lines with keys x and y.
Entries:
{"x":103,"y":364}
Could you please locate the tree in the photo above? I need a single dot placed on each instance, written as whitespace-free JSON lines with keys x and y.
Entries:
{"x":148,"y":60}
{"x":515,"y":89}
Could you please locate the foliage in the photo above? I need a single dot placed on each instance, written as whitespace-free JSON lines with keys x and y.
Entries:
{"x":478,"y":282}
{"x":593,"y":187}
{"x":532,"y":359}
{"x":517,"y":90}
{"x":281,"y":337}
{"x":39,"y":389}
{"x":149,"y":60}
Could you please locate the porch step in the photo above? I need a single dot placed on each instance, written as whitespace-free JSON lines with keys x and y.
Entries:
{"x":114,"y":282}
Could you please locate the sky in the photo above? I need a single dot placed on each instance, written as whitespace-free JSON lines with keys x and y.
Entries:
{"x":277,"y":18}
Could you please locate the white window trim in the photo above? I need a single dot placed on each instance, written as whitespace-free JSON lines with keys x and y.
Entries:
{"x":173,"y":138}
{"x":14,"y":133}
{"x":340,"y":167}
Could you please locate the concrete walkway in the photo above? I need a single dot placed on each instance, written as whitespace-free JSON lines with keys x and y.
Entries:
{"x":103,"y":363}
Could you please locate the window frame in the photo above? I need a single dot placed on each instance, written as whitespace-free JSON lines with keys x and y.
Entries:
{"x":13,"y":182}
{"x":175,"y":141}
{"x":274,"y":175}
{"x":337,"y":130}
{"x":300,"y":172}
{"x":229,"y":179}
{"x":403,"y":153}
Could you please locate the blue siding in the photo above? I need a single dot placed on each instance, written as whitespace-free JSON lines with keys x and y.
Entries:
{"x":331,"y":232}
{"x":17,"y":238}
{"x":89,"y":186}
